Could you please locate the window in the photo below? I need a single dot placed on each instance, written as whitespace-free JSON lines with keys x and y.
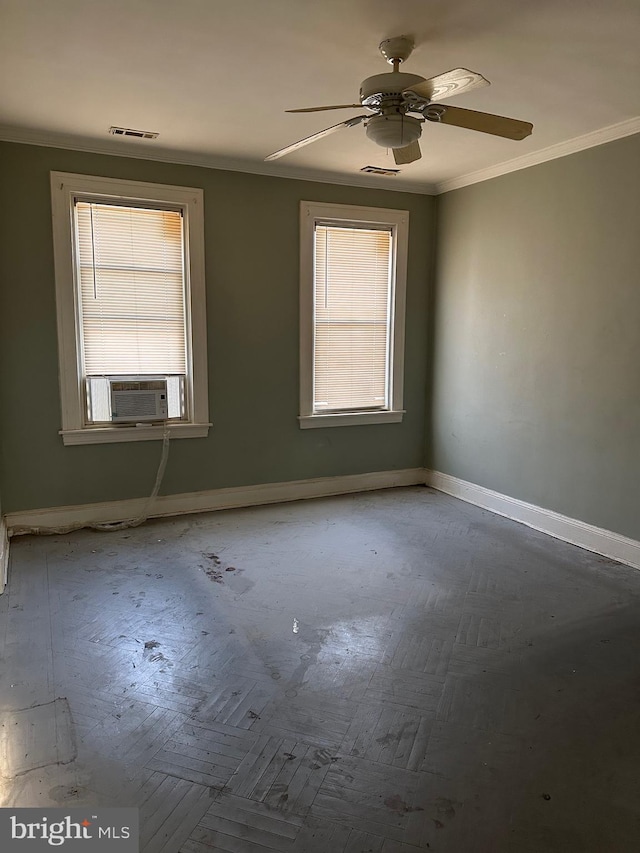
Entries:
{"x":130,"y":295}
{"x":353,"y":282}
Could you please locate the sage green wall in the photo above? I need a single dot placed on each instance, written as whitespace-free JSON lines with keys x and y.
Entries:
{"x":536,"y":362}
{"x":252,"y":309}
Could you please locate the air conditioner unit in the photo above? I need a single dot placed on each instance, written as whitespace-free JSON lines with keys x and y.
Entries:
{"x":137,"y":399}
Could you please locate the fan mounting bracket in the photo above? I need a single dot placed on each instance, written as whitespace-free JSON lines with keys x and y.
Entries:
{"x":396,"y":50}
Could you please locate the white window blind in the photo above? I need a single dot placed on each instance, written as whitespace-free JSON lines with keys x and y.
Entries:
{"x":352,"y":299}
{"x":132,"y":290}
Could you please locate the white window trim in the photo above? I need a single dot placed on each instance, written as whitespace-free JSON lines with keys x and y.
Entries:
{"x":64,"y":187}
{"x":344,"y":214}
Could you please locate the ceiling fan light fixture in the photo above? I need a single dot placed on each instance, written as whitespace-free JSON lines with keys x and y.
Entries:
{"x":394,"y":130}
{"x":391,"y":96}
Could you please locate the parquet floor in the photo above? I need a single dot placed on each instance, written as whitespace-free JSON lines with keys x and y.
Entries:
{"x":387,"y":672}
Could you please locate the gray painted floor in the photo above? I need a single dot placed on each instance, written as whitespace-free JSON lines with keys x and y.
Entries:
{"x":379,"y":673}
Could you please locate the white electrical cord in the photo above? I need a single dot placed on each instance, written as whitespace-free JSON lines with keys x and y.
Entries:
{"x":136,"y":522}
{"x":116,"y":525}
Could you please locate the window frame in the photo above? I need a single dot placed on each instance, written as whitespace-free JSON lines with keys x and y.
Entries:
{"x":345,"y":215}
{"x":64,"y":188}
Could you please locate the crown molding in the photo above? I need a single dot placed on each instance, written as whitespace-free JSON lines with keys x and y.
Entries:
{"x":553,"y":152}
{"x":120,"y":148}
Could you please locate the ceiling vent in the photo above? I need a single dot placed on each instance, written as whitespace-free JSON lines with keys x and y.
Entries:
{"x":127,"y":131}
{"x":378,"y":170}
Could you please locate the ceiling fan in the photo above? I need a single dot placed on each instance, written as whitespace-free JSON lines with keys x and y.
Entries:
{"x":392,"y":96}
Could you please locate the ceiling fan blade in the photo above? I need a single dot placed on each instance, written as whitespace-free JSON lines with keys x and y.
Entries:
{"x":408,"y":154}
{"x":319,"y":109}
{"x":350,"y":122}
{"x":458,"y":81}
{"x":509,"y":128}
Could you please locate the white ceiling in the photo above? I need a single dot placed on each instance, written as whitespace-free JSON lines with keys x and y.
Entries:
{"x":215,"y":78}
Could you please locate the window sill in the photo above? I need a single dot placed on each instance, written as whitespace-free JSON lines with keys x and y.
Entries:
{"x":350,"y":419}
{"x":153,"y":432}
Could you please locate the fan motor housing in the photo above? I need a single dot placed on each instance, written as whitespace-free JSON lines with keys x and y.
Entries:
{"x":394,"y":130}
{"x":389,"y":85}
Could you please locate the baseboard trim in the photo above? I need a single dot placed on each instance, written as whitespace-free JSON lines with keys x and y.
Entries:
{"x":55,"y":518}
{"x":571,"y":530}
{"x":4,"y":554}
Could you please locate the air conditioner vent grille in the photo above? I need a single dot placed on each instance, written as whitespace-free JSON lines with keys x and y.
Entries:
{"x":128,"y":131}
{"x":379,"y":170}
